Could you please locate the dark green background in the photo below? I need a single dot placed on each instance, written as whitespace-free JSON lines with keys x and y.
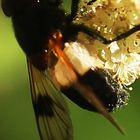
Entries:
{"x":16,"y":114}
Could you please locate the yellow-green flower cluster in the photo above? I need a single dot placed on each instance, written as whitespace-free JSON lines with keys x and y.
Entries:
{"x":111,"y":18}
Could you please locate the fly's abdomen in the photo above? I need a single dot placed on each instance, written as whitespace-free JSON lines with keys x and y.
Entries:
{"x":107,"y":90}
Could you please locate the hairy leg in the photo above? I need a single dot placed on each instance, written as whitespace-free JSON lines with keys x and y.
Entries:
{"x":75,"y":28}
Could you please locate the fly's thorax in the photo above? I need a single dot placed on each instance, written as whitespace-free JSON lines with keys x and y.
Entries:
{"x":39,"y":60}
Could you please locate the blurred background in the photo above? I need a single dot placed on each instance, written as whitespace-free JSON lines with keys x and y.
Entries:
{"x":17,"y":120}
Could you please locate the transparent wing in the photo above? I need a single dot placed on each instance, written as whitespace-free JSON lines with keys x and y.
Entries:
{"x":51,"y":111}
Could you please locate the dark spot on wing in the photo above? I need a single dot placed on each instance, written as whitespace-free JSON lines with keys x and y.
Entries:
{"x":44,"y":106}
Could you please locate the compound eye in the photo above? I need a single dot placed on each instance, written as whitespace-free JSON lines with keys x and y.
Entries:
{"x":6,"y":7}
{"x":11,"y":7}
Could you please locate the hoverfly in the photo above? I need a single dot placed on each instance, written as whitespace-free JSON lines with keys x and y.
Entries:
{"x":42,"y":29}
